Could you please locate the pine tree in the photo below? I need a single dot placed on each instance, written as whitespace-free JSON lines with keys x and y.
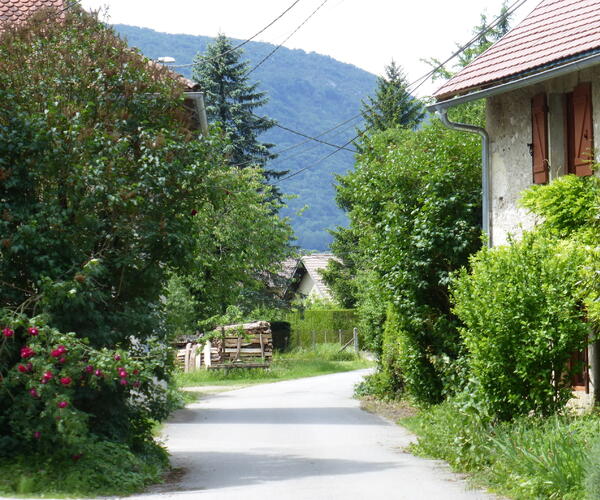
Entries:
{"x":231,"y":101}
{"x":392,"y":105}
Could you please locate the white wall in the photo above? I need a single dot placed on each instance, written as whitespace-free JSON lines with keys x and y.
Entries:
{"x":509,"y":126}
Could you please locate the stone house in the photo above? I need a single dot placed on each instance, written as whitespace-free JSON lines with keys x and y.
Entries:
{"x":541,"y":83}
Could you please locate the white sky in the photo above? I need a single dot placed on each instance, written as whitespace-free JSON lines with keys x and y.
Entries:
{"x":367,"y":34}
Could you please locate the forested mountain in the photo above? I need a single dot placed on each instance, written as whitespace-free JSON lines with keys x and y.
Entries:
{"x":308,"y":92}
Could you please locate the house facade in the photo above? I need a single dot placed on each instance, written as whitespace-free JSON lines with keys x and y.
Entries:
{"x":305,"y":280}
{"x":541,"y":84}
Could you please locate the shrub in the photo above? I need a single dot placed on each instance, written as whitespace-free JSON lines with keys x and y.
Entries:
{"x":523,"y":319}
{"x":592,"y":474}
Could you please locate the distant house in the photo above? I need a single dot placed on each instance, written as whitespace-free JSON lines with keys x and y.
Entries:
{"x":541,"y":83}
{"x":304,"y":279}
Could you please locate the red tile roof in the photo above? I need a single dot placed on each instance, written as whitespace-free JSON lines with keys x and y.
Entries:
{"x":553,"y":31}
{"x":17,"y":11}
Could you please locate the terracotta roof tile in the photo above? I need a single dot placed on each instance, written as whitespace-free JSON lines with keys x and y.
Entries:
{"x":17,"y":11}
{"x":553,"y":31}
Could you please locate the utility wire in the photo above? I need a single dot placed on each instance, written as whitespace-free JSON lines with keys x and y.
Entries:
{"x":422,"y":79}
{"x":288,"y":37}
{"x":245,"y":41}
{"x":316,"y":139}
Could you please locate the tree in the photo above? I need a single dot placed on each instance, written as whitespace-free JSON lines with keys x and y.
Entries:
{"x":231,"y":101}
{"x":392,"y":105}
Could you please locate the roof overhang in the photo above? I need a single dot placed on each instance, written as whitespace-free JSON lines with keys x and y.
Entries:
{"x":525,"y":81}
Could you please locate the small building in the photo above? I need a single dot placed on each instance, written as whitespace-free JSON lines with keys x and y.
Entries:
{"x":541,"y":83}
{"x":305,"y":279}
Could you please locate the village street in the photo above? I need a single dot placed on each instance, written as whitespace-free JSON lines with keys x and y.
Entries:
{"x":298,"y":439}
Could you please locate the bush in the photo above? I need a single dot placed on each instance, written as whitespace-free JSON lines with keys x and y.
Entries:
{"x":523,"y":319}
{"x":592,"y":474}
{"x":527,"y":458}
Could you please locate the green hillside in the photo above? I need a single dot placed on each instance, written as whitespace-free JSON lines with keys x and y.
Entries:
{"x":308,"y":92}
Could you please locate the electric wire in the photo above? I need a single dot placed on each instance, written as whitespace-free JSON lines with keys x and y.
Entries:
{"x":517,"y":4}
{"x":244,"y":42}
{"x":287,"y":38}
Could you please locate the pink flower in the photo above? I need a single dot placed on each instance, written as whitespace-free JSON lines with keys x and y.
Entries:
{"x":62,"y":404}
{"x":66,"y":380}
{"x":22,"y":369}
{"x":34,"y":393}
{"x":37,"y":434}
{"x":47,"y":376}
{"x":194,"y":212}
{"x":27,"y":352}
{"x":33,"y":331}
{"x":136,"y":384}
{"x":62,"y":360}
{"x":135,"y":372}
{"x":89,"y":369}
{"x":123,"y":373}
{"x":117,"y":357}
{"x":123,"y":381}
{"x":98,"y":373}
{"x":7,"y":332}
{"x":59,"y":351}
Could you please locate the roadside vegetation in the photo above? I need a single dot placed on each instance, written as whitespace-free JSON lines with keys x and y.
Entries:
{"x":297,"y":363}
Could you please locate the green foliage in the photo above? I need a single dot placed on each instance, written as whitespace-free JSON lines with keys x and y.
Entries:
{"x":414,"y":204}
{"x":527,"y":458}
{"x":392,"y":105}
{"x":592,"y":473}
{"x":321,"y":322}
{"x":180,"y":308}
{"x":100,"y":469}
{"x":522,"y":314}
{"x":569,"y":206}
{"x":308,"y":92}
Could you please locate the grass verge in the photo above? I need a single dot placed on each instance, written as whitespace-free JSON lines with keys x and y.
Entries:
{"x":298,"y":363}
{"x":528,"y":458}
{"x":103,"y":469}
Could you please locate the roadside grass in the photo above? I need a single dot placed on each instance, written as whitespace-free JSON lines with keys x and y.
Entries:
{"x":100,"y":469}
{"x":298,"y":363}
{"x":530,"y":458}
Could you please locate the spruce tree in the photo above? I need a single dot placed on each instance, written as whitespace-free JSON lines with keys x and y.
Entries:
{"x":392,"y":105}
{"x":231,"y":101}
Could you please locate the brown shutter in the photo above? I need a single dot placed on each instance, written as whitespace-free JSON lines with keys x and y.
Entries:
{"x":539,"y":146}
{"x":583,"y":133}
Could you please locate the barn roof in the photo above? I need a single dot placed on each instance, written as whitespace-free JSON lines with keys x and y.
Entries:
{"x":554,"y":32}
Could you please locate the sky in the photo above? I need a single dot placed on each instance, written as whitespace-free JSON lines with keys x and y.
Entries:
{"x":365,"y":33}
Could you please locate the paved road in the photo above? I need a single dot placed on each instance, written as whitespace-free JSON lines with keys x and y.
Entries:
{"x":298,"y":440}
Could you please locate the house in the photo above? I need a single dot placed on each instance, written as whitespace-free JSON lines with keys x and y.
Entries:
{"x":304,"y":277}
{"x":541,"y":83}
{"x":14,"y":12}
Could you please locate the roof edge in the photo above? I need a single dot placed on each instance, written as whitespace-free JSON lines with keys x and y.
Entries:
{"x":576,"y":65}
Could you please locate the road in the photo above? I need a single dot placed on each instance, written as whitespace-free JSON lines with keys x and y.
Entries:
{"x":296,"y":440}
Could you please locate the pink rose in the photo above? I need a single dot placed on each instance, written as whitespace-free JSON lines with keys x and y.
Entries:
{"x":123,"y":381}
{"x":37,"y":434}
{"x":66,"y":380}
{"x":22,"y":369}
{"x":116,"y":357}
{"x":89,"y":369}
{"x":33,"y":331}
{"x":8,"y":332}
{"x":27,"y":352}
{"x":62,"y":404}
{"x":34,"y":393}
{"x":98,"y":373}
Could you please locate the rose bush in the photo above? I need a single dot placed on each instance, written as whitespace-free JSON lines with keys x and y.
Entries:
{"x":49,"y":377}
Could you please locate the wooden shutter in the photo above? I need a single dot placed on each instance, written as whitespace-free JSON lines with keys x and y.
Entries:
{"x":539,"y":143}
{"x":583,"y":132}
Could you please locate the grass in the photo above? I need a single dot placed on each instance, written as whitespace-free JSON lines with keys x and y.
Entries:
{"x":103,"y":469}
{"x":298,"y":363}
{"x":529,"y":458}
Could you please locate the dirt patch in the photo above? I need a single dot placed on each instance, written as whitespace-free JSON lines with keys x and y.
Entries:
{"x":390,"y":410}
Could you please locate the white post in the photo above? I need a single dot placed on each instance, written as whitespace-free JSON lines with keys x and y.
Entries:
{"x":355,"y":334}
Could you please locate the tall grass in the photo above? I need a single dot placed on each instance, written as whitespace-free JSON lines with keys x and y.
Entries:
{"x":298,"y":363}
{"x":529,"y":458}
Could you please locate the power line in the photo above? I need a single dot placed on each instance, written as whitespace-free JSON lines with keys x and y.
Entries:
{"x":316,"y":139}
{"x":517,"y":4}
{"x":245,"y":41}
{"x":289,"y":36}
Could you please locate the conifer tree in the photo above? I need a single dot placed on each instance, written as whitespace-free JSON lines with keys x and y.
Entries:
{"x":231,"y":101}
{"x":392,"y":105}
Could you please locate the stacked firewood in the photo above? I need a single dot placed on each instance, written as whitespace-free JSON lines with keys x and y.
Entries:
{"x":243,"y":343}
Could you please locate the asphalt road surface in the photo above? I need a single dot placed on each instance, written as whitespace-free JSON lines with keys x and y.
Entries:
{"x":299,"y":439}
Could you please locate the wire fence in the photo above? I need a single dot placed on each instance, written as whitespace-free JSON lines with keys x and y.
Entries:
{"x":310,"y":338}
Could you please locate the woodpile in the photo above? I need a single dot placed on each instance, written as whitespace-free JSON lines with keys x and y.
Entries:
{"x":248,"y":345}
{"x":245,"y":345}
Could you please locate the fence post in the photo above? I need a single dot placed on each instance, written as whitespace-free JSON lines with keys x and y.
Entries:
{"x":326,"y":336}
{"x":340,"y":336}
{"x":355,"y":334}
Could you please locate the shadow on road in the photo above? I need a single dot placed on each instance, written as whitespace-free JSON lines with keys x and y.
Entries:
{"x":244,"y":469}
{"x":295,"y":416}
